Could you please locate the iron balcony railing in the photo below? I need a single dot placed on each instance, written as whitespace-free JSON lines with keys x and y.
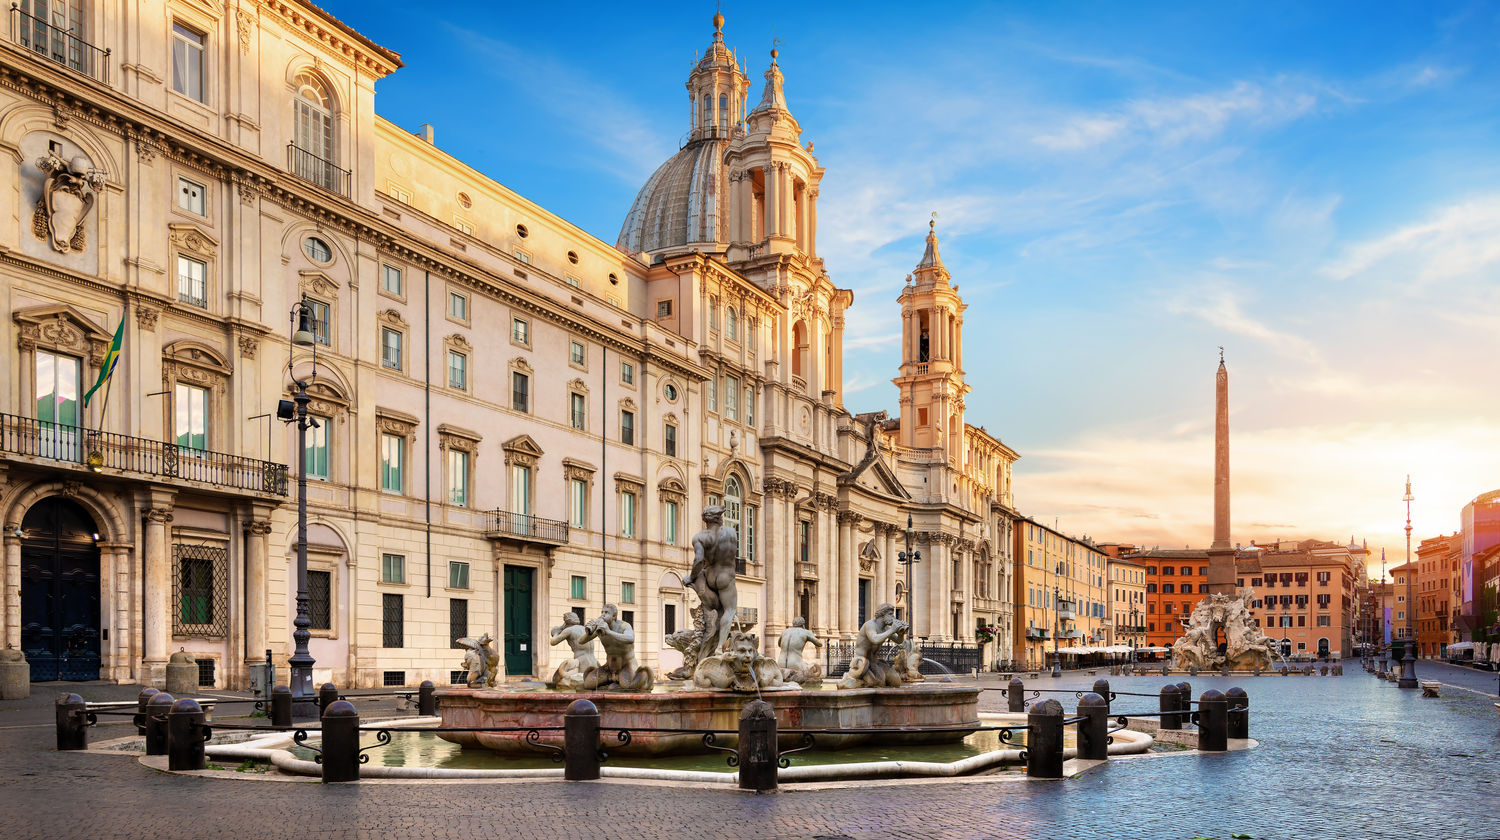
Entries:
{"x":527,"y":527}
{"x":91,"y":449}
{"x":58,"y":44}
{"x":313,"y":169}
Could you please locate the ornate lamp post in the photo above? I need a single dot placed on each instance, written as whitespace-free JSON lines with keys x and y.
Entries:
{"x":1135,"y":628}
{"x":295,"y":410}
{"x":1409,"y":660}
{"x":907,"y":558}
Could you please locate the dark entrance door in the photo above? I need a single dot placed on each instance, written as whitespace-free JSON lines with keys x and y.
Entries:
{"x":864,"y":601}
{"x":60,"y":592}
{"x":518,"y":580}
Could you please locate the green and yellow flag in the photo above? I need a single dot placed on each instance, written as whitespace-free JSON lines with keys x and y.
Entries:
{"x":110,"y":358}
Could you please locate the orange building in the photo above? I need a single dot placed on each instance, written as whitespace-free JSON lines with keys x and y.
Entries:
{"x":1176,"y":580}
{"x":1303,"y":593}
{"x":1437,"y":572}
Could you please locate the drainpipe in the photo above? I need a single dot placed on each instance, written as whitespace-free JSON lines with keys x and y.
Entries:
{"x":427,"y":416}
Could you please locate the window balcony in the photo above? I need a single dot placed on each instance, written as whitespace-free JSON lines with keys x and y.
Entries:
{"x":27,"y":440}
{"x":527,"y":528}
{"x":61,"y":46}
{"x":315,"y":170}
{"x":1039,"y":633}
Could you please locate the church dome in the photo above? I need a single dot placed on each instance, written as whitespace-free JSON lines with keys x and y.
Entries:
{"x":683,"y":202}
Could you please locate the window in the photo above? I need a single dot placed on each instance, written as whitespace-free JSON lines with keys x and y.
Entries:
{"x":627,"y":373}
{"x":458,"y":370}
{"x":315,"y":456}
{"x":576,"y":411}
{"x":314,"y":131}
{"x":576,"y":354}
{"x":668,"y":619}
{"x":804,"y":540}
{"x":458,"y":306}
{"x":1203,"y":571}
{"x":520,"y":331}
{"x":578,"y":588}
{"x":191,"y":407}
{"x":390,"y":348}
{"x":1255,"y":582}
{"x":201,"y":590}
{"x":627,"y":592}
{"x":190,"y":196}
{"x":1187,"y":570}
{"x":57,"y":380}
{"x":192,"y":281}
{"x":317,"y":250}
{"x":578,"y":495}
{"x":627,"y":428}
{"x":573,"y":281}
{"x":731,"y":397}
{"x":458,"y":620}
{"x":458,"y":478}
{"x":1323,"y":577}
{"x":664,"y":308}
{"x":520,"y":390}
{"x":522,"y":256}
{"x":458,"y":574}
{"x":733,"y":501}
{"x":627,"y":516}
{"x":1151,"y":588}
{"x":520,"y":492}
{"x":391,"y":280}
{"x":1168,"y":570}
{"x":669,"y":523}
{"x":320,"y":599}
{"x":750,"y":405}
{"x":1202,"y":589}
{"x":392,"y":462}
{"x":1324,"y":601}
{"x":1324,"y":621}
{"x":669,"y":440}
{"x":187,"y":61}
{"x":1168,"y":588}
{"x":393,"y":568}
{"x":464,"y":227}
{"x":392,"y":620}
{"x":713,"y":393}
{"x":747,"y":540}
{"x":713,"y":313}
{"x":731,"y":325}
{"x":319,"y":314}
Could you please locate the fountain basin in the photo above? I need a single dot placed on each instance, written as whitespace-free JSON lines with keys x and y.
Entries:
{"x":927,"y":705}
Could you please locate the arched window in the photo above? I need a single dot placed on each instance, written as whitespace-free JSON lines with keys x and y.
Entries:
{"x":731,"y":324}
{"x":724,"y":113}
{"x":314,"y":123}
{"x":799,"y":348}
{"x":734,"y":500}
{"x":708,"y":115}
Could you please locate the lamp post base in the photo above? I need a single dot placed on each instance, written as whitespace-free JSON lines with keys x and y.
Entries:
{"x":1056,"y":666}
{"x":1408,"y":670}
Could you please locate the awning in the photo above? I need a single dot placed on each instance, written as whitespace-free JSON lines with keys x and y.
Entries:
{"x":1153,"y":649}
{"x":1458,"y":646}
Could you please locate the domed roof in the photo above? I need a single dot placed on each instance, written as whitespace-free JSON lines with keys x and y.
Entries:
{"x":683,"y":202}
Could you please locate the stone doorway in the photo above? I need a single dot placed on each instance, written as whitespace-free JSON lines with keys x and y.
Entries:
{"x":60,"y":626}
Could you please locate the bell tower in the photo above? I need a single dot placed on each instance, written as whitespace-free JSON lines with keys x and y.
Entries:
{"x":931,"y":380}
{"x":716,"y":91}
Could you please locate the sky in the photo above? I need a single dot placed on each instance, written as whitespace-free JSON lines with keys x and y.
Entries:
{"x":1121,"y":189}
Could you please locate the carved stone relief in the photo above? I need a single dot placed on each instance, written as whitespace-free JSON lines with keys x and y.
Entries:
{"x":68,"y":196}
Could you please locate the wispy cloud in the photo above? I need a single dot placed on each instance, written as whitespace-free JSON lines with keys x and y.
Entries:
{"x":1221,"y":306}
{"x":1455,"y":241}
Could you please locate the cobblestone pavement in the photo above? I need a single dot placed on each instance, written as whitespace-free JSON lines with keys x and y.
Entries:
{"x":1340,"y":757}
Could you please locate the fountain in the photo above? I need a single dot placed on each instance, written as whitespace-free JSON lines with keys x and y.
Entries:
{"x":1244,"y":649}
{"x":725,"y":668}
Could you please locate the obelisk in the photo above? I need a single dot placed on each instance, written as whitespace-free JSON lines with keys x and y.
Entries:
{"x":1221,"y":554}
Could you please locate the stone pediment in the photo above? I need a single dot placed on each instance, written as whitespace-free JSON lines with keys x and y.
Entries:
{"x":522,"y":450}
{"x":878,"y":478}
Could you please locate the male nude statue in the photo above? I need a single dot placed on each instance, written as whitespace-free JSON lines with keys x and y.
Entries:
{"x":712,"y":577}
{"x":865,"y":669}
{"x":793,"y":640}
{"x":620,"y":666}
{"x":581,"y":640}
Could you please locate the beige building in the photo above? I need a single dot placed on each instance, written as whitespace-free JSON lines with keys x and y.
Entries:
{"x":1127,"y":602}
{"x":515,"y":419}
{"x":1063,"y":594}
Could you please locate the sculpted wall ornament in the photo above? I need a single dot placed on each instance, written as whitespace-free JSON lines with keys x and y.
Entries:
{"x":248,"y":345}
{"x":68,"y":195}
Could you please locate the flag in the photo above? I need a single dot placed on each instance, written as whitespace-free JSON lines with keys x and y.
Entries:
{"x":110,"y":358}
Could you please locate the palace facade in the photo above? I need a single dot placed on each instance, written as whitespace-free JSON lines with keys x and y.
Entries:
{"x":514,"y":418}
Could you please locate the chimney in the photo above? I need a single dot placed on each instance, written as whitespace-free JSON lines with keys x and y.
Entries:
{"x":425,"y":132}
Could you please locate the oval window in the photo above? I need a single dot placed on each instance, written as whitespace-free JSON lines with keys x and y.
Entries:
{"x":671,"y":392}
{"x":464,"y":201}
{"x":317,"y":250}
{"x":522,"y":232}
{"x":573,"y":257}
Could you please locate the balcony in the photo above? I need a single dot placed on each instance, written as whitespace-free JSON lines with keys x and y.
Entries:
{"x":1036,"y":633}
{"x":527,"y":528}
{"x":315,"y":170}
{"x":88,"y":451}
{"x":47,"y":41}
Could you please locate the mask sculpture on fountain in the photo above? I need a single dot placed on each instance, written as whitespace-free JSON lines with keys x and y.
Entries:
{"x":580,"y":640}
{"x":866,"y":670}
{"x":620,"y":668}
{"x":794,"y":640}
{"x":741,"y":667}
{"x":480,"y":660}
{"x":1245,"y":648}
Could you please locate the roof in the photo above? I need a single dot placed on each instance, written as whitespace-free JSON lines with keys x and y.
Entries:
{"x":683,"y":202}
{"x":388,"y":54}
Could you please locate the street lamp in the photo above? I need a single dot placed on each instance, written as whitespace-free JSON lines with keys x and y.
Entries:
{"x":907,"y":558}
{"x":1135,"y":628}
{"x":1409,"y":660}
{"x":295,"y":410}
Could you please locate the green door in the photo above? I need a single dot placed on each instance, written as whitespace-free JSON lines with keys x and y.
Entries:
{"x":518,"y":620}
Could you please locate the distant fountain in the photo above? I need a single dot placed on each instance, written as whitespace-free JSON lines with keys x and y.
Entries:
{"x":1245,"y":649}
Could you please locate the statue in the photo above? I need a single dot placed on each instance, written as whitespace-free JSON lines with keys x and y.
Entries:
{"x":480,"y":660}
{"x":620,"y":668}
{"x":581,"y":641}
{"x":687,"y":641}
{"x":741,"y":668}
{"x":794,"y":640}
{"x":1244,"y":646}
{"x":866,"y":670}
{"x":908,"y":661}
{"x":67,"y":197}
{"x":715,"y":549}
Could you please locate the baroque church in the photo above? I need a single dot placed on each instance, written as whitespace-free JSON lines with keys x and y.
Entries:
{"x":515,"y":420}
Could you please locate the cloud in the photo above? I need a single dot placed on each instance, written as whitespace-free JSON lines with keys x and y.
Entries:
{"x":1453,"y":242}
{"x":1223,"y":307}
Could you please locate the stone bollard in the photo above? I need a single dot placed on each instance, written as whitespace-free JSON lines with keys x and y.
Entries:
{"x":1184,"y":703}
{"x":1044,"y":740}
{"x":1193,"y":670}
{"x":1213,"y":722}
{"x":141,"y":701}
{"x":182,"y":674}
{"x":427,"y":700}
{"x":340,"y":758}
{"x":1093,"y":733}
{"x":328,"y":693}
{"x":758,"y":750}
{"x":1168,"y":705}
{"x":1307,"y":670}
{"x":186,"y":733}
{"x":1101,"y":688}
{"x":1239,"y":713}
{"x":15,"y":675}
{"x":1283,"y":670}
{"x":1323,"y":670}
{"x":1164,"y":670}
{"x":1016,"y":694}
{"x":72,"y":723}
{"x":281,"y":706}
{"x":1338,"y":670}
{"x":1256,"y":672}
{"x":581,"y":742}
{"x":156,"y":722}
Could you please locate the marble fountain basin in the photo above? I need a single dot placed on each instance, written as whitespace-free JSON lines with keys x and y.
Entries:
{"x":914,"y":707}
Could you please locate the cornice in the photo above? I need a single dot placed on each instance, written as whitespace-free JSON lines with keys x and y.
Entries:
{"x":357,"y":49}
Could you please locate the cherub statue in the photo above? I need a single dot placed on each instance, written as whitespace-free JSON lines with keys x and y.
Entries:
{"x":480,"y":660}
{"x":580,"y":640}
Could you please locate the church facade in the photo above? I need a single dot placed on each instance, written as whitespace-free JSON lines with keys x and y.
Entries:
{"x":514,"y":419}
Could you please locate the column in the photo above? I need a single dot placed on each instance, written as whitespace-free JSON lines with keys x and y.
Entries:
{"x":887,"y":580}
{"x":908,"y":337}
{"x":811,"y":205}
{"x":969,"y":589}
{"x":800,"y":208}
{"x":828,"y":570}
{"x":257,"y":540}
{"x":772,"y":199}
{"x":784,"y":196}
{"x":10,"y":596}
{"x":958,"y":344}
{"x":777,"y":565}
{"x":848,"y":575}
{"x":158,"y":585}
{"x":746,"y":206}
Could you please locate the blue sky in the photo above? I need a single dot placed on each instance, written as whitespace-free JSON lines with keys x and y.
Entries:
{"x":1121,"y":188}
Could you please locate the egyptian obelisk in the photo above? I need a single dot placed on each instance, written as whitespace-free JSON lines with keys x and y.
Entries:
{"x":1221,"y":554}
